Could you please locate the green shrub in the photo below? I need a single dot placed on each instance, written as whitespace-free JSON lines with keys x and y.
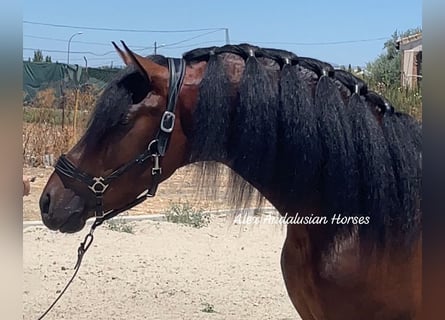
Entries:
{"x":208,"y":308}
{"x":184,"y":213}
{"x":119,"y":225}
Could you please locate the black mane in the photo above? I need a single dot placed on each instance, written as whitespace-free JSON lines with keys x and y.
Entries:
{"x":306,"y":129}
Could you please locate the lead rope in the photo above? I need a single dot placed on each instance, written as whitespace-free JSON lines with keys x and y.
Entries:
{"x":83,"y":247}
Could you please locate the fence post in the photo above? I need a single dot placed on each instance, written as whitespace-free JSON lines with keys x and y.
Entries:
{"x":63,"y":100}
{"x":76,"y":107}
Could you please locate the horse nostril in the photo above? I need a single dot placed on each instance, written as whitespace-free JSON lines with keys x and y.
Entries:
{"x":44,"y":203}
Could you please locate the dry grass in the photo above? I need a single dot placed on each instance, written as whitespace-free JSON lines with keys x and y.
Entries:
{"x":40,"y":139}
{"x":47,"y":129}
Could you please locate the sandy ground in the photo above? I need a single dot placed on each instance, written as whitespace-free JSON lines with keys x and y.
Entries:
{"x":159,"y":271}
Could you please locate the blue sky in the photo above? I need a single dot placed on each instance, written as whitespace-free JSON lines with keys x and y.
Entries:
{"x":340,"y":32}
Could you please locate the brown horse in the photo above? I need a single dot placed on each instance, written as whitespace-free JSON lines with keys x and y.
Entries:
{"x":312,"y":140}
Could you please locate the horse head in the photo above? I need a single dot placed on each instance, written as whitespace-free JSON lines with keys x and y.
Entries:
{"x":119,"y":155}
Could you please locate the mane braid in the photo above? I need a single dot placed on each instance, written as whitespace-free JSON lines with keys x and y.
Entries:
{"x":300,"y":151}
{"x":210,"y":141}
{"x":376,"y":179}
{"x":339,"y":177}
{"x":200,"y":54}
{"x":350,"y":81}
{"x":213,"y":105}
{"x":315,"y":66}
{"x":253,"y":142}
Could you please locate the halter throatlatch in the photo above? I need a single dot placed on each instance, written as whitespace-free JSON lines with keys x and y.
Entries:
{"x":155,"y":150}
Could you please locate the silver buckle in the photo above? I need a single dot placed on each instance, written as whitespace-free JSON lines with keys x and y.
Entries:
{"x":164,"y":116}
{"x":98,"y":181}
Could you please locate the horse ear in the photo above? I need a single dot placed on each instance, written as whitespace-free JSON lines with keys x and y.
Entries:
{"x":154,"y":72}
{"x":122,"y":54}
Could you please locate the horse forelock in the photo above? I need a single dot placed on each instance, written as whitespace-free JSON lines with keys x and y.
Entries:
{"x":128,"y":87}
{"x":111,"y":106}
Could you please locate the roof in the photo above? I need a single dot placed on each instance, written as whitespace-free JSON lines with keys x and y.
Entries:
{"x":409,"y":42}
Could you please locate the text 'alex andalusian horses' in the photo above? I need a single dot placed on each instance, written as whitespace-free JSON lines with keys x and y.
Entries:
{"x":312,"y":140}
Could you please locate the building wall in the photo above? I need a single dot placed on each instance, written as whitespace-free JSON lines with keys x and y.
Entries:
{"x":410,"y":67}
{"x":411,"y":61}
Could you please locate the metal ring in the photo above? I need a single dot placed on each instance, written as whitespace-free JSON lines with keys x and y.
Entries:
{"x":151,"y":144}
{"x":164,"y":116}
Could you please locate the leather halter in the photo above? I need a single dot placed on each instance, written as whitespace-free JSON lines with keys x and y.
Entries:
{"x":155,"y":150}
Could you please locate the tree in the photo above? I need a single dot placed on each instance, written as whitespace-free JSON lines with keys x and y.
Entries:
{"x":38,"y":56}
{"x":386,"y":68}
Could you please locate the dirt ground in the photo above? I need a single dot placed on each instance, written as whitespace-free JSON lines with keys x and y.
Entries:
{"x":159,"y":270}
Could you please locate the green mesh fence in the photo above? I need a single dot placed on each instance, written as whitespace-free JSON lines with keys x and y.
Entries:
{"x":58,"y":76}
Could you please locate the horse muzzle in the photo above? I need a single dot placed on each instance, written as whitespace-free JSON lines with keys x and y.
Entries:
{"x":64,"y":211}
